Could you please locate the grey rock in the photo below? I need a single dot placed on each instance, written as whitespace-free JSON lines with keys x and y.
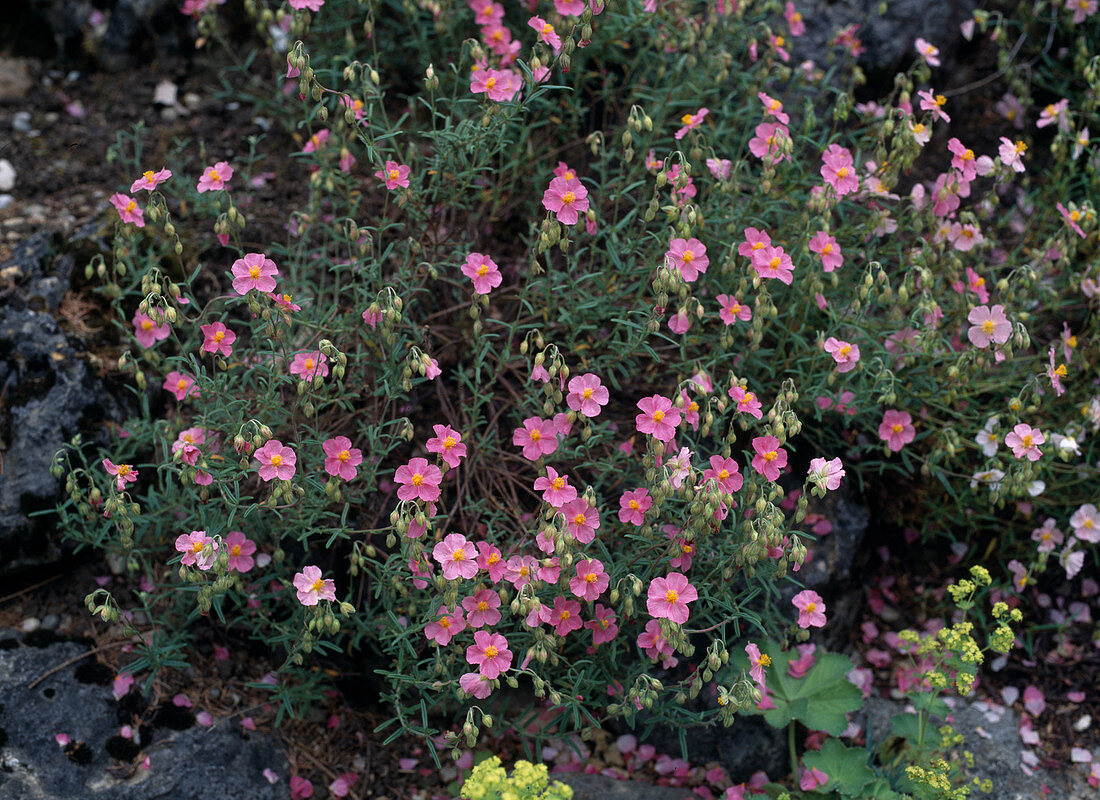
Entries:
{"x":21,"y":121}
{"x":992,"y":735}
{"x":195,"y":764}
{"x":888,"y":38}
{"x":5,"y":201}
{"x":15,"y":78}
{"x":7,"y":175}
{"x":50,"y":622}
{"x":601,"y":787}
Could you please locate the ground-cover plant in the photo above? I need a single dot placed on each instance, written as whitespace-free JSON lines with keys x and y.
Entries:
{"x":573,"y":303}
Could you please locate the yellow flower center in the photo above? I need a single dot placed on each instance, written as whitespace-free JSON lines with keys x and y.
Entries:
{"x":568,"y":198}
{"x":671,"y":596}
{"x":309,"y":364}
{"x":276,"y":460}
{"x":688,"y":256}
{"x":1072,"y":342}
{"x":458,"y":555}
{"x":214,"y":176}
{"x":811,"y":607}
{"x":658,"y":415}
{"x":779,"y":41}
{"x":749,"y":397}
{"x":394,"y":174}
{"x":147,"y":324}
{"x":445,"y":623}
{"x":967,"y":155}
{"x":482,"y":270}
{"x":987,"y":327}
{"x":536,"y":434}
{"x":723,"y":474}
{"x":482,"y":606}
{"x":449,"y":442}
{"x":828,"y":248}
{"x":558,"y":483}
{"x":218,"y":336}
{"x":317,"y":585}
{"x":774,"y":263}
{"x":1021,"y":147}
{"x":196,"y":547}
{"x":418,"y":480}
{"x":490,"y":82}
{"x":564,"y":614}
{"x":771,"y":456}
{"x":579,"y":519}
{"x":235,"y":550}
{"x":897,"y":427}
{"x":547,"y":29}
{"x":842,"y":172}
{"x":686,"y":119}
{"x":254,"y":272}
{"x":758,"y":245}
{"x":181,"y":385}
{"x":587,"y":393}
{"x":131,"y":206}
{"x":343,"y":455}
{"x":634,"y":505}
{"x":591,"y":577}
{"x":939,"y":100}
{"x":148,"y":175}
{"x":1026,"y":440}
{"x":765,"y":660}
{"x":845,"y":350}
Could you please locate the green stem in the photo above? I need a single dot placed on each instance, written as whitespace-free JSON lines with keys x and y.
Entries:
{"x":793,"y":751}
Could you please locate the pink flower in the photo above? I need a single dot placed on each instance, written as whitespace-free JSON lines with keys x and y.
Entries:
{"x":755,"y":241}
{"x":300,"y":788}
{"x":456,"y":555}
{"x":482,"y":609}
{"x":747,"y":402}
{"x":845,"y":354}
{"x":731,"y":309}
{"x":679,"y":322}
{"x":555,"y":488}
{"x":964,"y":160}
{"x":581,"y":519}
{"x":811,"y":609}
{"x":395,"y":175}
{"x":317,"y":141}
{"x":519,"y":570}
{"x":773,"y":108}
{"x":419,"y":480}
{"x":566,"y":616}
{"x":929,"y":52}
{"x":689,"y":256}
{"x":448,"y":625}
{"x":490,"y":654}
{"x":1070,"y":217}
{"x":770,"y":458}
{"x":147,"y":331}
{"x":769,"y":141}
{"x":634,"y":504}
{"x":181,"y":385}
{"x":724,"y":472}
{"x":283,"y":301}
{"x":896,"y":429}
{"x":813,"y":777}
{"x":308,"y":365}
{"x":659,"y":418}
{"x":312,"y":588}
{"x":192,"y":545}
{"x":254,"y":271}
{"x":719,"y":167}
{"x":587,"y":395}
{"x":653,"y":642}
{"x":311,"y":5}
{"x":217,"y":339}
{"x":1055,"y":112}
{"x":341,"y":458}
{"x":1024,"y":441}
{"x":1055,"y":373}
{"x":537,"y":437}
{"x":483,"y":271}
{"x":149,"y":180}
{"x":933,"y":103}
{"x":827,"y":473}
{"x":121,"y":685}
{"x":448,"y":444}
{"x":988,"y":325}
{"x":838,"y":171}
{"x":240,"y":550}
{"x":794,"y":19}
{"x":826,"y":246}
{"x":277,"y":461}
{"x":1034,"y":701}
{"x":773,"y":262}
{"x":668,"y":597}
{"x":215,"y":178}
{"x":590,"y":581}
{"x":128,"y":209}
{"x":475,"y":684}
{"x":1011,"y":154}
{"x":1048,"y":536}
{"x":603,"y":625}
{"x":566,"y":197}
{"x":123,"y":473}
{"x":500,"y":85}
{"x":1086,"y":523}
{"x":372,"y":318}
{"x":546,"y":32}
{"x":757,"y":663}
{"x":690,"y":121}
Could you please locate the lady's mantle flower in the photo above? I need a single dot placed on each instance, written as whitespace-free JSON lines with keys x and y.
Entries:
{"x":312,"y":588}
{"x":277,"y":461}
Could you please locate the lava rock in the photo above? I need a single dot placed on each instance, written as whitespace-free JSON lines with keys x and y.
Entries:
{"x":40,"y":277}
{"x":195,"y":764}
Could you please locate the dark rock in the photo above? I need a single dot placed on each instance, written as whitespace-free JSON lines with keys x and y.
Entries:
{"x":40,"y":278}
{"x":888,"y":38}
{"x":601,"y":787}
{"x":195,"y":764}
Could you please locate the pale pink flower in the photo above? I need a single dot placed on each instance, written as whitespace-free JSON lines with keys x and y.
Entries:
{"x":1081,"y":9}
{"x":456,"y":555}
{"x":123,"y":473}
{"x":499,"y":85}
{"x":317,"y":141}
{"x":581,"y":519}
{"x":724,"y":472}
{"x":933,"y":103}
{"x":845,"y":354}
{"x":988,"y":325}
{"x":475,"y":684}
{"x":731,"y":309}
{"x":121,"y":685}
{"x":838,"y":171}
{"x":964,"y":159}
{"x":773,"y":108}
{"x":1011,"y":153}
{"x":770,"y":458}
{"x":240,"y":549}
{"x":520,"y":570}
{"x":181,"y":385}
{"x":555,"y":488}
{"x":419,"y":480}
{"x":546,"y":32}
{"x":217,"y":339}
{"x":1086,"y":523}
{"x":312,"y":588}
{"x":590,"y":581}
{"x":483,"y":271}
{"x":149,"y":180}
{"x":690,"y":121}
{"x":447,"y":442}
{"x":482,"y":609}
{"x":307,"y":5}
{"x":680,"y":322}
{"x":538,"y":437}
{"x":896,"y":429}
{"x":826,"y":473}
{"x":277,"y":461}
{"x":1055,"y":112}
{"x":769,"y":141}
{"x":929,"y":52}
{"x":653,"y":642}
{"x":1055,"y":372}
{"x":826,"y":246}
{"x":668,"y":597}
{"x":490,"y":654}
{"x":215,"y":178}
{"x":1071,"y":218}
{"x":446,"y":626}
{"x":308,"y":365}
{"x":757,"y":662}
{"x":187,"y":443}
{"x":755,"y":242}
{"x":794,"y":19}
{"x":254,"y":271}
{"x":587,"y":395}
{"x":603,"y":625}
{"x":128,"y":209}
{"x":811,"y":609}
{"x":719,"y":167}
{"x":689,"y":256}
{"x":747,"y":402}
{"x":1048,"y":536}
{"x":1024,"y":441}
{"x":395,"y":175}
{"x":634,"y":504}
{"x":566,"y":198}
{"x":773,"y":262}
{"x":813,"y":777}
{"x":489,"y":559}
{"x":193,"y":545}
{"x":147,"y":331}
{"x":679,"y":467}
{"x":341,"y":458}
{"x":659,"y":418}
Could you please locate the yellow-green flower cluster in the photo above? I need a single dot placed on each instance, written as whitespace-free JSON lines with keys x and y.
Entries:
{"x":490,"y":781}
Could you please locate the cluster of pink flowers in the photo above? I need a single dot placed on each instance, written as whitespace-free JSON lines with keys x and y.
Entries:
{"x":767,"y":260}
